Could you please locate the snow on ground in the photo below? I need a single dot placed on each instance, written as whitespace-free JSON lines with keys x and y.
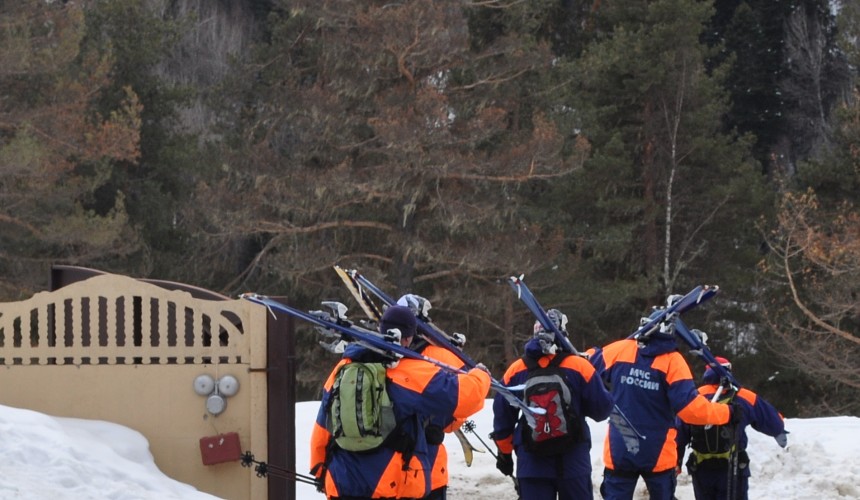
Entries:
{"x":44,"y":457}
{"x":820,"y":462}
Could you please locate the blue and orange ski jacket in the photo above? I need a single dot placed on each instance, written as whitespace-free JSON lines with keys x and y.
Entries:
{"x":590,"y":399}
{"x":437,"y":453}
{"x":757,"y":412}
{"x":420,"y":392}
{"x":650,"y":383}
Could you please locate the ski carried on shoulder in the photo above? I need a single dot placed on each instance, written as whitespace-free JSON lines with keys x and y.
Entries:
{"x":671,"y":315}
{"x":438,"y":337}
{"x":374,"y":313}
{"x":528,"y":298}
{"x":379,"y":343}
{"x":698,"y":347}
{"x":617,"y":417}
{"x":371,"y":310}
{"x":433,"y":333}
{"x":681,"y":305}
{"x":349,"y":331}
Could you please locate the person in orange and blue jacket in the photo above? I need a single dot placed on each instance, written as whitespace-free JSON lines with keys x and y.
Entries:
{"x":709,"y":464}
{"x":419,"y":392}
{"x":651,"y":383}
{"x":436,"y":429}
{"x":566,"y":474}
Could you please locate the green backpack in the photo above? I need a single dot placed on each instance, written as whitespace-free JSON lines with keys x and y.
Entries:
{"x":360,"y":414}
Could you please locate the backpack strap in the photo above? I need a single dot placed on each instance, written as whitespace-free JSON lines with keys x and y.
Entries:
{"x":532,"y":364}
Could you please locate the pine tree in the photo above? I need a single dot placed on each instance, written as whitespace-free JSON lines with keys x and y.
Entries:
{"x":406,"y":140}
{"x":57,"y":145}
{"x":667,"y":199}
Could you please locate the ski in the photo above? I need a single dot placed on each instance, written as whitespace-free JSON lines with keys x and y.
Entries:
{"x":468,"y":448}
{"x":381,"y":343}
{"x":469,"y":426}
{"x":434,"y":334}
{"x":367,"y":305}
{"x":692,"y":299}
{"x":617,"y":418}
{"x":671,"y":315}
{"x":374,"y":313}
{"x":528,"y":298}
{"x":438,"y":337}
{"x":698,"y":347}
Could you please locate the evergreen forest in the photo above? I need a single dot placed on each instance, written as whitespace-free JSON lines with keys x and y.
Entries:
{"x":612,"y":152}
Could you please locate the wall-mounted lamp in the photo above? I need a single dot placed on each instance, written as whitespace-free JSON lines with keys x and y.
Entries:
{"x":216,"y":391}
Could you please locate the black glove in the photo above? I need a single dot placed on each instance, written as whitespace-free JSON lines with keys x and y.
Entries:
{"x":736,"y":413}
{"x":319,"y":471}
{"x":434,"y":434}
{"x":505,"y":463}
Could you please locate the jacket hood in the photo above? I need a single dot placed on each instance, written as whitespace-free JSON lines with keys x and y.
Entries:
{"x":657,"y":345}
{"x":533,"y":348}
{"x":711,"y":376}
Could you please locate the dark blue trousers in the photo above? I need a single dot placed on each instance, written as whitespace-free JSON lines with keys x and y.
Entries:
{"x":620,"y":485}
{"x":571,"y":488}
{"x":712,"y":484}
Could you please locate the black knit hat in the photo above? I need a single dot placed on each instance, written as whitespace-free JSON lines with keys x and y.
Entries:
{"x":401,"y":318}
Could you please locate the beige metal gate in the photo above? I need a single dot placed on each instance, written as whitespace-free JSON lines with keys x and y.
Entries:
{"x":126,"y":351}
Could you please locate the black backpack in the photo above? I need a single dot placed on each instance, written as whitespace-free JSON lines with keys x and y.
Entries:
{"x":712,"y":442}
{"x":559,"y":427}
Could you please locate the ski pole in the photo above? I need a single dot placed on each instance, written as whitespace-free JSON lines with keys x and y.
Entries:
{"x":432,"y":333}
{"x":469,"y":426}
{"x":263,"y":469}
{"x":377,"y":341}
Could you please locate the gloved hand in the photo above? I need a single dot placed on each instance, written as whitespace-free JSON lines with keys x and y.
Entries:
{"x":782,"y":439}
{"x":319,"y":471}
{"x":737,"y":413}
{"x":505,"y":463}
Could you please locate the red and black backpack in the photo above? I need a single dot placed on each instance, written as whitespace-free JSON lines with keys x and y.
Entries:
{"x":547,"y":388}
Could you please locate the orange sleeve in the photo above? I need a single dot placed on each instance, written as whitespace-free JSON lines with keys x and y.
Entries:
{"x":699,"y":411}
{"x":449,"y":358}
{"x":517,"y":366}
{"x":473,"y":389}
{"x":320,"y":436}
{"x":748,"y":396}
{"x":580,"y":365}
{"x":319,"y":441}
